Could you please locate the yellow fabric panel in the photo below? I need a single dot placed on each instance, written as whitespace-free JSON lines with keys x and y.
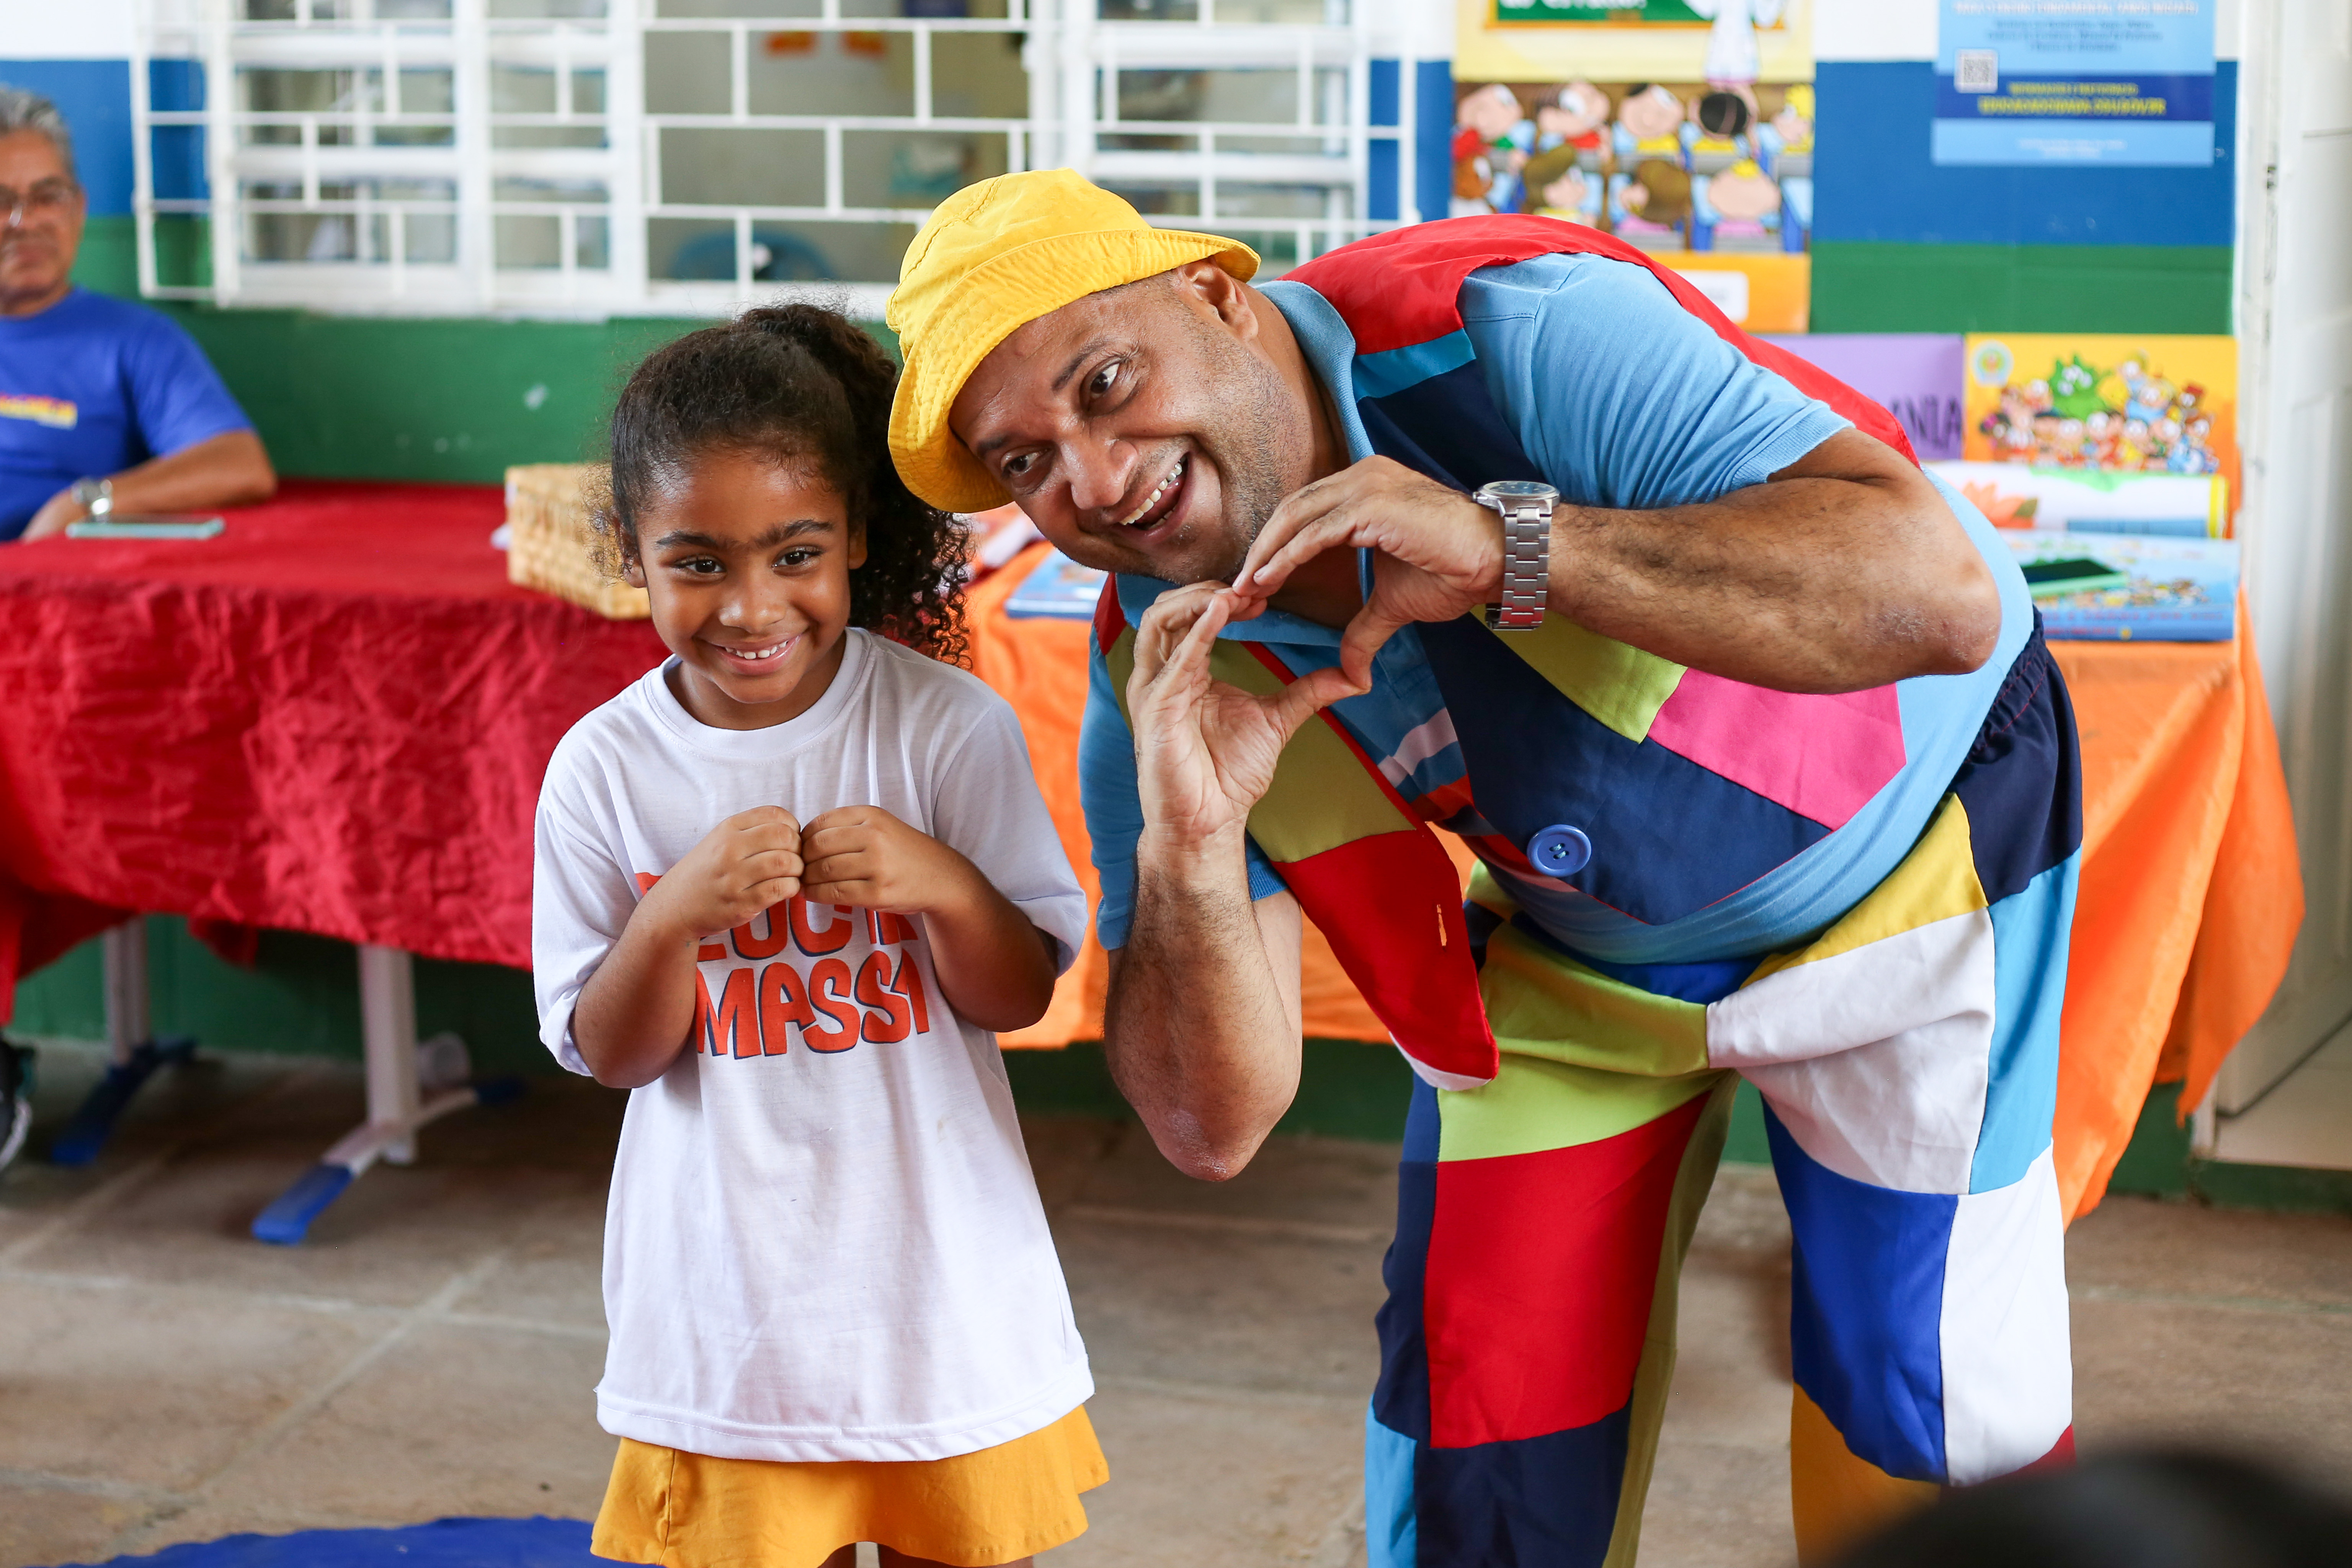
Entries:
{"x":1545,"y":1003}
{"x":1534,"y":1105}
{"x":1623,"y":687}
{"x":1656,"y":1370}
{"x":999,"y":1505}
{"x":1936,"y":881}
{"x":1321,"y":796}
{"x":1835,"y":1497}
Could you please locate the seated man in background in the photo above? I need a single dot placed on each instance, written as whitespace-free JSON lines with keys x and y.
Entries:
{"x":105,"y":406}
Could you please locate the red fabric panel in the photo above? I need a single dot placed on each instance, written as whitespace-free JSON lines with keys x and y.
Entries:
{"x":333,"y":718}
{"x":1541,"y":1272}
{"x":1390,"y":905}
{"x":1404,"y":287}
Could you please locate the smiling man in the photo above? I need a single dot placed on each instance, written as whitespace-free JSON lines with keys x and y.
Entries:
{"x":105,"y":406}
{"x":1488,"y":525}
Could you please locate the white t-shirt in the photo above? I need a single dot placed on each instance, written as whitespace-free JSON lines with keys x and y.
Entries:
{"x":824,"y":1241}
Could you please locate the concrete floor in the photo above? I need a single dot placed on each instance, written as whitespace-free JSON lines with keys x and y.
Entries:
{"x":162,"y":1378}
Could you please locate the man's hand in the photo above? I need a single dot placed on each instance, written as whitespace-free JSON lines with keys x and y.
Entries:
{"x":1439,"y":553}
{"x":1204,"y":751}
{"x":748,"y":863}
{"x":57,"y":514}
{"x":863,"y":856}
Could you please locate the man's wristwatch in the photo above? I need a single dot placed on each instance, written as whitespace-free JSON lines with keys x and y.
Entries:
{"x":95,"y":497}
{"x":1526,"y":507}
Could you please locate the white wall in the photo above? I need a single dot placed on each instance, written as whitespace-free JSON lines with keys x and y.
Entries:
{"x":72,"y":30}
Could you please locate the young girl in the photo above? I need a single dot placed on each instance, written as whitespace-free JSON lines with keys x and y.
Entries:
{"x":786,"y":885}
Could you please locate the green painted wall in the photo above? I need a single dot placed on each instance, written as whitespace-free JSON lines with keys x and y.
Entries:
{"x":1867,"y":286}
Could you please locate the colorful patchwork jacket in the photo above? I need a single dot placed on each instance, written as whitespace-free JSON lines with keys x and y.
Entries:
{"x":1712,"y":818}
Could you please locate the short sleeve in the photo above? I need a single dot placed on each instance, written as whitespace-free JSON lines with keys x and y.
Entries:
{"x":986,"y":806}
{"x":1621,"y":396}
{"x":1115,"y":811}
{"x":176,"y":396}
{"x":581,"y":900}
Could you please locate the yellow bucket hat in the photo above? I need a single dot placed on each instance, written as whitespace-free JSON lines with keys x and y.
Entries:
{"x":995,"y":256}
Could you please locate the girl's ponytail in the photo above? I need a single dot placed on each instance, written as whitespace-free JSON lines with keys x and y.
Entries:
{"x":809,"y":385}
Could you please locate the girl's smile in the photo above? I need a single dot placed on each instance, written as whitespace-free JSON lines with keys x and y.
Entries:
{"x":746,"y":558}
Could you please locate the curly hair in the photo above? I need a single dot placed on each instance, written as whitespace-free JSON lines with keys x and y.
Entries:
{"x":805,"y":385}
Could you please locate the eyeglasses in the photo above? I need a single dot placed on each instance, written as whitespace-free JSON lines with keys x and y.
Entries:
{"x":48,"y":199}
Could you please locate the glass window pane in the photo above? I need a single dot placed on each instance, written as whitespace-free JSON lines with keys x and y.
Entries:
{"x":545,"y":9}
{"x":1168,"y":201}
{"x":978,"y":76}
{"x":519,"y":188}
{"x":428,"y":91}
{"x":906,"y":168}
{"x":690,"y":249}
{"x":832,"y":73}
{"x":743,"y":168}
{"x":504,"y":136}
{"x":521,"y":90}
{"x":521,"y":240}
{"x":430,"y":238}
{"x":686,"y":73}
{"x":695,"y":251}
{"x":588,"y":92}
{"x":1279,"y":201}
{"x":761,"y":9}
{"x":592,"y":245}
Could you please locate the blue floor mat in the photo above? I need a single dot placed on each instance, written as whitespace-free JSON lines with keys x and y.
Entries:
{"x":541,"y":1543}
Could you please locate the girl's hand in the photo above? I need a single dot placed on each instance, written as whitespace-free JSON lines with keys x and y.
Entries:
{"x":995,"y":969}
{"x":863,"y":856}
{"x":746,"y":864}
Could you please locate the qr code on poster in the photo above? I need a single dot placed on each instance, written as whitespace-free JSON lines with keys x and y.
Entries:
{"x":1977,"y":70}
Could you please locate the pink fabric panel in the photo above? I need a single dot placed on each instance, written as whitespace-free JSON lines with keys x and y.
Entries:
{"x":1821,"y":757}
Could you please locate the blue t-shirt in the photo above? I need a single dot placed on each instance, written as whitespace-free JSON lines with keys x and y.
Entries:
{"x":1619,"y":395}
{"x":92,"y":386}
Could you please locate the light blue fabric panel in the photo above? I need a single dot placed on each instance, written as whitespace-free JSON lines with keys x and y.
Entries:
{"x":1392,"y":1538}
{"x":2030,"y":933}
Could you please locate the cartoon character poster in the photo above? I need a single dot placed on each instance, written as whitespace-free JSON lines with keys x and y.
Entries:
{"x":1684,"y":127}
{"x":2141,"y":404}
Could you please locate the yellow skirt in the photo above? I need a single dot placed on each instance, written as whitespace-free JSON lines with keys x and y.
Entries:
{"x":999,"y":1505}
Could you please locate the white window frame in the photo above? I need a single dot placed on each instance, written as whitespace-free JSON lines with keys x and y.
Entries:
{"x":1072,"y":57}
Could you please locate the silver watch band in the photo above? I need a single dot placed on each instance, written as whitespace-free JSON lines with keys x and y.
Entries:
{"x":1527,"y":566}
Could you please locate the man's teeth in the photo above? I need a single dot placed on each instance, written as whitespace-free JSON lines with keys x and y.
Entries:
{"x":1153,"y":498}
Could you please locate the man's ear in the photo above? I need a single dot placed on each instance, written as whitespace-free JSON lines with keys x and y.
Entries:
{"x":1210,"y":289}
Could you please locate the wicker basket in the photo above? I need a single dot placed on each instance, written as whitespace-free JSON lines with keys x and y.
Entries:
{"x":552,"y":542}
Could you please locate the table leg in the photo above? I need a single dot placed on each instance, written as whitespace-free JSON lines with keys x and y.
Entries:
{"x":388,"y":1029}
{"x":397,"y":1103}
{"x":133,"y":1051}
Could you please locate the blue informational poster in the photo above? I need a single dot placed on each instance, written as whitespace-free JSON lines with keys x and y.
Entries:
{"x":2075,"y":81}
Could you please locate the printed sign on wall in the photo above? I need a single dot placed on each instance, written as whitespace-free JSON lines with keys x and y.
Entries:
{"x":2075,"y":81}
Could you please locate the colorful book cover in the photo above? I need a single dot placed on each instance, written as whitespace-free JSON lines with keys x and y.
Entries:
{"x":2173,"y":590}
{"x":2143,"y":402}
{"x":1685,"y":129}
{"x":1058,"y":588}
{"x":1915,"y":376}
{"x":2094,"y":501}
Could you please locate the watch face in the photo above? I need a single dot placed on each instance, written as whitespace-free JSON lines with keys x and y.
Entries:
{"x":1519,"y":489}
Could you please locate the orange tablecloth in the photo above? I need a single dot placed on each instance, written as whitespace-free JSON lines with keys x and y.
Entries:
{"x":2190,"y":892}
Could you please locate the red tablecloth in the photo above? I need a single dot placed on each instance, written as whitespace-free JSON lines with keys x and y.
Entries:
{"x":333,"y":718}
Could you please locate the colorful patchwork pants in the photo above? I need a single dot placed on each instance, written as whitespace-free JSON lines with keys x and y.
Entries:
{"x":1907,"y":1061}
